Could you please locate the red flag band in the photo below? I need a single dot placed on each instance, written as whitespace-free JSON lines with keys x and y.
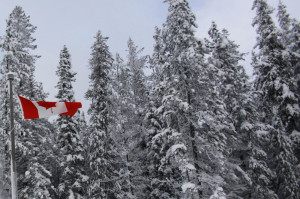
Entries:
{"x":41,"y":109}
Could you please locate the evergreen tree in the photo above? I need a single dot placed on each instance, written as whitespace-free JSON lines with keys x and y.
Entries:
{"x":231,"y":81}
{"x":103,"y":155}
{"x":136,"y":64}
{"x":246,"y":160}
{"x":36,"y":181}
{"x":182,"y":123}
{"x":139,"y":96}
{"x":128,"y":103}
{"x":17,"y":46}
{"x":290,"y":35}
{"x":83,"y":134}
{"x":153,"y":124}
{"x":279,"y":102}
{"x":121,"y":115}
{"x":294,"y":47}
{"x":69,"y":141}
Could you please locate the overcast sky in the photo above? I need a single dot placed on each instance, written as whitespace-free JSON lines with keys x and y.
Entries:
{"x":74,"y":23}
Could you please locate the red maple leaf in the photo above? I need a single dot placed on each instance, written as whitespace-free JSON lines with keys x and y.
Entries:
{"x":47,"y":104}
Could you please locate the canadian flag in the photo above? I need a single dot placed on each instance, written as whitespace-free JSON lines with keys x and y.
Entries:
{"x":41,"y":109}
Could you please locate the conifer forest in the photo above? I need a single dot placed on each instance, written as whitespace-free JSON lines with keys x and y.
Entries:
{"x":196,"y":127}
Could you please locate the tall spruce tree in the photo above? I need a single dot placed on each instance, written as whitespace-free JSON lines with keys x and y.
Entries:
{"x":295,"y":48}
{"x":186,"y":117}
{"x":246,"y":160}
{"x":69,"y":142}
{"x":137,"y":64}
{"x":231,"y":82}
{"x":279,"y":103}
{"x":137,"y":82}
{"x":119,"y":108}
{"x":103,"y":155}
{"x":290,"y":35}
{"x":18,"y":45}
{"x":129,"y":101}
{"x":153,"y":124}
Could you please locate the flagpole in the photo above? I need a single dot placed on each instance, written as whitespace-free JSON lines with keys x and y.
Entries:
{"x":14,"y":194}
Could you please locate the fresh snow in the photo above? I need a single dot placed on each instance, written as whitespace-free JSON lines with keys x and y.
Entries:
{"x":246,"y":125}
{"x":218,"y":194}
{"x":176,"y":147}
{"x":189,"y":167}
{"x":286,"y":92}
{"x":188,"y":185}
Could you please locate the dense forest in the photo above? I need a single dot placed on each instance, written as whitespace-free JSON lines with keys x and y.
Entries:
{"x":196,"y":127}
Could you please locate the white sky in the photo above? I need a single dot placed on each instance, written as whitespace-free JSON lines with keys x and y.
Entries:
{"x":74,"y":23}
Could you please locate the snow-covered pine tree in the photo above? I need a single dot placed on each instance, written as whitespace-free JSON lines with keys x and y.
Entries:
{"x":290,"y":35}
{"x":294,"y":46}
{"x":18,"y":45}
{"x":6,"y":46}
{"x":279,"y":102}
{"x":69,"y":142}
{"x":139,"y":94}
{"x":36,"y":181}
{"x":231,"y":82}
{"x":185,"y":120}
{"x":176,"y":167}
{"x":153,"y":123}
{"x":295,"y":61}
{"x":8,"y":63}
{"x":129,"y":100}
{"x":83,"y":135}
{"x":103,"y":158}
{"x":246,"y":161}
{"x":137,"y":64}
{"x":121,"y":113}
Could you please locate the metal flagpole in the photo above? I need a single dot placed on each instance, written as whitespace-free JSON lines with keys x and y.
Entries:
{"x":14,"y":194}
